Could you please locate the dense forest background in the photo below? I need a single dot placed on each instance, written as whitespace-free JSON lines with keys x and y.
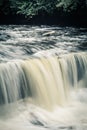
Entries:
{"x":72,"y":12}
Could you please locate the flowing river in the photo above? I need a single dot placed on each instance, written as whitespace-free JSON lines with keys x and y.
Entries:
{"x":43,"y":78}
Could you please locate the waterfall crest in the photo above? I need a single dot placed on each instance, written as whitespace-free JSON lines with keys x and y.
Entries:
{"x":45,"y":80}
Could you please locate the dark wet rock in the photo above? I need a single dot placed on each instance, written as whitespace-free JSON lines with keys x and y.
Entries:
{"x":66,"y":128}
{"x":37,"y":122}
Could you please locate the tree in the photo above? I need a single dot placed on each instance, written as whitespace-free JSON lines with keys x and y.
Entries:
{"x":4,"y":7}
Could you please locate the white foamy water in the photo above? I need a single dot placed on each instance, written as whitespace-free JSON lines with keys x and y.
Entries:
{"x":26,"y":116}
{"x":43,"y":78}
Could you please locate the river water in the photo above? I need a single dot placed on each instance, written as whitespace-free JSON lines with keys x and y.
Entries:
{"x":20,"y":42}
{"x":43,"y":76}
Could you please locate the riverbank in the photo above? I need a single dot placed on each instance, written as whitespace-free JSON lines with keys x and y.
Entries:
{"x":70,"y":20}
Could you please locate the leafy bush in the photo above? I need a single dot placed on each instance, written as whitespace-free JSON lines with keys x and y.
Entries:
{"x":71,"y":5}
{"x":33,"y":7}
{"x":30,"y":8}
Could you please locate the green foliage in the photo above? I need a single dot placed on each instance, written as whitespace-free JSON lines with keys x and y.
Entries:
{"x":30,"y":8}
{"x":4,"y":7}
{"x":67,"y":5}
{"x":33,"y":7}
{"x":1,"y":2}
{"x":71,"y":5}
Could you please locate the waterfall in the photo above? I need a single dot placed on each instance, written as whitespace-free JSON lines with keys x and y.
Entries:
{"x":46,"y":80}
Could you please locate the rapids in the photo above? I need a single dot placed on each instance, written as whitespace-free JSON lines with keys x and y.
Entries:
{"x":43,"y":78}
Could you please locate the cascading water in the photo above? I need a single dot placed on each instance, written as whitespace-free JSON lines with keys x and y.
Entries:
{"x":43,"y":91}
